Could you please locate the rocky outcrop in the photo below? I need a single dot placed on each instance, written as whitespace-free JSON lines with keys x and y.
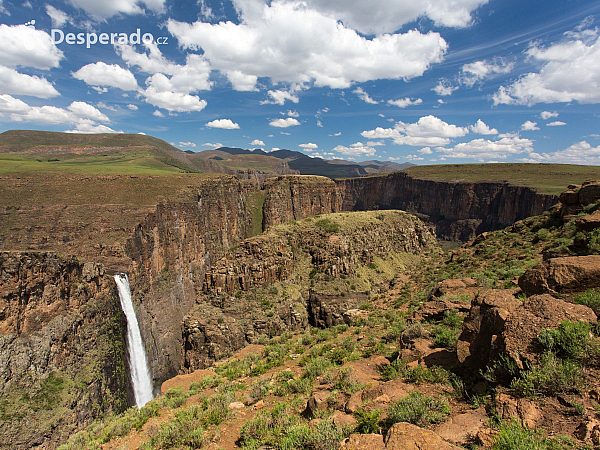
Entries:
{"x":313,"y":270}
{"x":296,"y":197}
{"x":576,"y":197}
{"x":62,"y":348}
{"x":498,"y":323}
{"x":171,"y":251}
{"x":459,"y":210}
{"x":401,"y":436}
{"x":562,"y":275}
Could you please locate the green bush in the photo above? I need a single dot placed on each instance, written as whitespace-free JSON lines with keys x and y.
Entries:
{"x":445,"y":337}
{"x":368,"y":421}
{"x":513,"y":436}
{"x":570,"y":340}
{"x":418,"y":374}
{"x":550,"y":377}
{"x":419,"y":409}
{"x":328,"y":225}
{"x":589,"y":298}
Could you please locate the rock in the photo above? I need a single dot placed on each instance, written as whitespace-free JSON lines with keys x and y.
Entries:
{"x":351,"y":316}
{"x":364,"y":442}
{"x":589,"y":222}
{"x":317,"y":402}
{"x":343,"y":420}
{"x":562,"y":275}
{"x":589,"y":432}
{"x":326,"y":310}
{"x":500,"y":324}
{"x":383,"y":398}
{"x":236,"y":406}
{"x":406,"y":436}
{"x":454,"y":286}
{"x":463,"y":428}
{"x":524,"y":410}
{"x":573,"y":200}
{"x":354,"y":403}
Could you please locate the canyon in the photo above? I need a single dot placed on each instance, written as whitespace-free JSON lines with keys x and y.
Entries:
{"x":183,"y":254}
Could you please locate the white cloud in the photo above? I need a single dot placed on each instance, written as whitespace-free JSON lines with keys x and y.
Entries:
{"x":404,"y":102}
{"x":364,"y":96}
{"x":59,"y":18}
{"x":102,"y":74}
{"x":9,"y":104}
{"x":157,"y":113}
{"x":376,"y":144}
{"x":257,"y":143}
{"x":309,"y":147}
{"x":356,"y":149}
{"x":216,"y":145}
{"x":483,"y":149}
{"x":13,"y":82}
{"x":187,"y":144}
{"x":27,"y":47}
{"x":444,"y":88}
{"x":279,"y":97}
{"x":284,"y":133}
{"x":105,"y":106}
{"x":570,"y":73}
{"x":284,"y":123}
{"x":339,"y":133}
{"x":425,"y":151}
{"x":87,"y":111}
{"x":479,"y":70}
{"x":288,"y":42}
{"x":414,"y":158}
{"x":529,"y":126}
{"x":101,"y":10}
{"x":427,"y":131}
{"x":89,"y":128}
{"x":481,"y":127}
{"x":387,"y":16}
{"x":132,"y":107}
{"x":548,"y":115}
{"x":291,"y":113}
{"x":173,"y":101}
{"x":556,"y":123}
{"x":579,"y":153}
{"x":224,"y":124}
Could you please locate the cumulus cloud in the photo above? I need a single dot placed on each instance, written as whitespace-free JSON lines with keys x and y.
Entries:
{"x":481,"y":127}
{"x":425,"y":151}
{"x":284,"y":123}
{"x":257,"y":143}
{"x":356,"y":149}
{"x":290,"y":42}
{"x":187,"y":144}
{"x":101,"y":10}
{"x":132,"y":107}
{"x":279,"y":97}
{"x":364,"y":96}
{"x":157,"y":113}
{"x":479,"y":70}
{"x":556,"y":123}
{"x":173,"y":101}
{"x":13,"y":82}
{"x":309,"y":147}
{"x":387,"y":16}
{"x":83,"y":115}
{"x":444,"y":88}
{"x":427,"y":131}
{"x":111,"y":75}
{"x":211,"y":145}
{"x":570,"y":73}
{"x":291,"y":113}
{"x":529,"y":126}
{"x":579,"y":153}
{"x":404,"y":102}
{"x":484,"y":149}
{"x":24,"y":46}
{"x":59,"y":18}
{"x":224,"y":124}
{"x":548,"y":115}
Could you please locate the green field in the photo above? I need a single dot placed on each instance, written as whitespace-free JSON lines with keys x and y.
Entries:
{"x":544,"y":178}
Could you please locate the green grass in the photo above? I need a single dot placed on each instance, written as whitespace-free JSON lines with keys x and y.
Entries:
{"x":544,"y":178}
{"x":419,"y":409}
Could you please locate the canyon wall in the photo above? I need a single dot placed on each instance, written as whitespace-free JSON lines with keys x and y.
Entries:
{"x":458,"y":210}
{"x":171,"y":250}
{"x":62,"y":348}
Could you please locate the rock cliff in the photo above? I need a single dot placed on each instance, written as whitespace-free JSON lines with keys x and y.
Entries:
{"x":171,"y":250}
{"x":62,"y":351}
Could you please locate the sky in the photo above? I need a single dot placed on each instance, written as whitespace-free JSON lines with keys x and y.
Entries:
{"x":450,"y":81}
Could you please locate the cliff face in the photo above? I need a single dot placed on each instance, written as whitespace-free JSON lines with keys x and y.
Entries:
{"x":459,"y":211}
{"x":295,"y":197}
{"x":62,"y":351}
{"x":171,"y":251}
{"x":310,"y":271}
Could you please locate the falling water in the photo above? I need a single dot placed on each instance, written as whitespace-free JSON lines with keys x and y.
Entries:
{"x":140,"y":372}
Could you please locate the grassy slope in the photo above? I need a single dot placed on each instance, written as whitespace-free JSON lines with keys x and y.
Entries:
{"x":545,"y":178}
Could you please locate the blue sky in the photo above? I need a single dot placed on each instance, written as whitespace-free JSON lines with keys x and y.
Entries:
{"x":461,"y":81}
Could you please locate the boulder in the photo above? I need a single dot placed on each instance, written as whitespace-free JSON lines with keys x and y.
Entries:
{"x":406,"y":436}
{"x":589,"y":222}
{"x":364,"y":442}
{"x":317,"y":402}
{"x":562,"y":275}
{"x":343,"y":420}
{"x":463,"y":428}
{"x":500,"y":324}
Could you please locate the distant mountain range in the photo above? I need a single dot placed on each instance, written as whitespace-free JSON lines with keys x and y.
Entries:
{"x":126,"y":153}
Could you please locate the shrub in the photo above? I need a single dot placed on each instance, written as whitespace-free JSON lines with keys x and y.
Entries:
{"x":589,"y":298}
{"x":445,"y":337}
{"x":513,"y":436}
{"x":570,"y":339}
{"x":418,"y":409}
{"x":551,"y":376}
{"x":328,"y":225}
{"x":368,"y":421}
{"x":418,"y":374}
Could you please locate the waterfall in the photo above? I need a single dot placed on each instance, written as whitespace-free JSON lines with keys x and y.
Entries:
{"x":138,"y":363}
